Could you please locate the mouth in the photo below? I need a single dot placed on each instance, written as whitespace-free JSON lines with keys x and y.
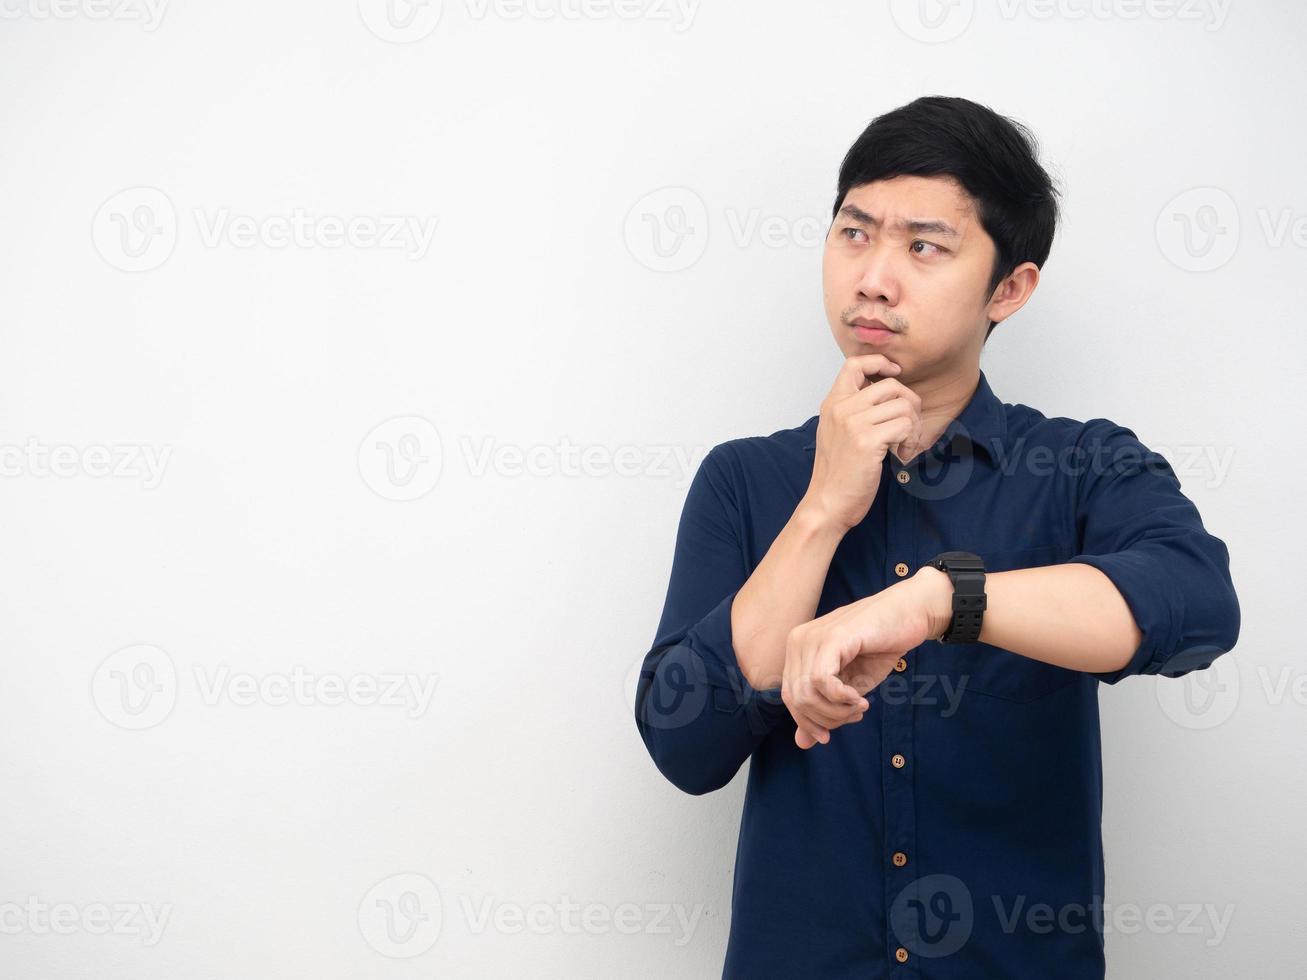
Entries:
{"x":871,"y":330}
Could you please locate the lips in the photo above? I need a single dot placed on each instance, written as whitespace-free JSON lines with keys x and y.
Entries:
{"x":871,"y":324}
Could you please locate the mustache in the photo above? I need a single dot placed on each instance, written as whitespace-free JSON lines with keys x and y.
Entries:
{"x":893,"y":322}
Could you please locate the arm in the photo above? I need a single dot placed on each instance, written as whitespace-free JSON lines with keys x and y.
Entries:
{"x":710,"y":689}
{"x":860,"y":421}
{"x":1068,"y":615}
{"x":782,"y":592}
{"x":1138,"y":529}
{"x":1149,"y":593}
{"x":698,"y":716}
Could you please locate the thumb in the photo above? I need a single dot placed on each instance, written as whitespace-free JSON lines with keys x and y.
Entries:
{"x":850,"y":648}
{"x":842,"y":653}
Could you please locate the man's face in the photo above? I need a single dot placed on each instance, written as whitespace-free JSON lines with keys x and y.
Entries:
{"x":910,"y":252}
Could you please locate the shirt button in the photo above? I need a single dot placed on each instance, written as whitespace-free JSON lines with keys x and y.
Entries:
{"x":897,"y":761}
{"x":900,"y":569}
{"x":901,"y":955}
{"x":900,"y":665}
{"x":904,"y":476}
{"x":899,"y":859}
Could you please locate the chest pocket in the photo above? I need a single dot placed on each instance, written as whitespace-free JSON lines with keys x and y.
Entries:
{"x":991,"y":670}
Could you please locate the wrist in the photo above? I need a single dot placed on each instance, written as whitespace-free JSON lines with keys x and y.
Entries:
{"x":817,"y":521}
{"x":935,"y":591}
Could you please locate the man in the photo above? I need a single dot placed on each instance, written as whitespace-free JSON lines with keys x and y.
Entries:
{"x":923,"y":726}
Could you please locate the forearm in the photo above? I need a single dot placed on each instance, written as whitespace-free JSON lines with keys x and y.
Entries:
{"x":1069,"y":615}
{"x":782,"y":592}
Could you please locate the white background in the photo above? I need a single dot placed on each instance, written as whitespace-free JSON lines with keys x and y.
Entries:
{"x":150,"y":164}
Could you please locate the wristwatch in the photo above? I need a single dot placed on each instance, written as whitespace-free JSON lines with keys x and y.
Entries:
{"x":967,"y":572}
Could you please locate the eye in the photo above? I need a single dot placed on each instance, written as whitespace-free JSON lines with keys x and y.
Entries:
{"x":928,"y":245}
{"x":846,"y":232}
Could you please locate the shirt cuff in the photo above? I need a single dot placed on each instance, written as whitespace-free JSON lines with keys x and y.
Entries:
{"x":712,"y":639}
{"x":1157,"y":604}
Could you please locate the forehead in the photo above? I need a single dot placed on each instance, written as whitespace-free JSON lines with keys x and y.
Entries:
{"x":916,"y":199}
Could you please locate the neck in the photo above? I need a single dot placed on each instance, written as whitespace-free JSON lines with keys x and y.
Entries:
{"x":942,"y":400}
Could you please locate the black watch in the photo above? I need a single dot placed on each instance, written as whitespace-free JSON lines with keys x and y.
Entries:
{"x":967,"y":572}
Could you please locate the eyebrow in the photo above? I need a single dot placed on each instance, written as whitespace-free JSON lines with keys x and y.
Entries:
{"x":918,"y":226}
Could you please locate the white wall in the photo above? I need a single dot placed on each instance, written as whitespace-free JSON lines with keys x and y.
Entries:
{"x":537,"y":319}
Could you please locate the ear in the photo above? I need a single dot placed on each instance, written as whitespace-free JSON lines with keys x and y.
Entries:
{"x":1011,"y":294}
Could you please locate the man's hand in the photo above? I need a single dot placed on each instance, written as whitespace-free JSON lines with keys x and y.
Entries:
{"x":860,"y":421}
{"x":832,"y":661}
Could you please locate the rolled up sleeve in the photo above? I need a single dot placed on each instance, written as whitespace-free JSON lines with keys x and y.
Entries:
{"x":699,"y":718}
{"x":1138,"y":528}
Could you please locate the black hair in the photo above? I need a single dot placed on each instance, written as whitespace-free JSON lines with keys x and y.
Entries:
{"x":994,"y":158}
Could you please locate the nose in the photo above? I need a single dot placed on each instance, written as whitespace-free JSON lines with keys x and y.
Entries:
{"x":879,"y":282}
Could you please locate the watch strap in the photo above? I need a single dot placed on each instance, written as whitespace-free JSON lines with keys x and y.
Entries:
{"x":966,"y":571}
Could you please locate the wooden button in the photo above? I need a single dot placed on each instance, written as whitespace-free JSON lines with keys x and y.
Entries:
{"x":901,"y":955}
{"x":900,"y":569}
{"x":900,"y":665}
{"x":897,"y":761}
{"x":899,"y":859}
{"x":904,"y":476}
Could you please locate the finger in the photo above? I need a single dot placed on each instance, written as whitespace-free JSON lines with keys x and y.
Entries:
{"x":804,"y":737}
{"x":896,"y":432}
{"x":837,"y":692}
{"x":853,"y":376}
{"x":862,"y":682}
{"x":830,"y":702}
{"x":905,"y":435}
{"x":829,"y":720}
{"x":810,"y":729}
{"x":866,"y":677}
{"x":791,"y":695}
{"x":826,"y":699}
{"x":802,"y":710}
{"x":822,"y":699}
{"x":884,"y":390}
{"x":884,"y":413}
{"x":850,"y":717}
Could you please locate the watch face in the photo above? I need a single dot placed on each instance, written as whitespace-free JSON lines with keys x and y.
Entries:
{"x":956,"y":561}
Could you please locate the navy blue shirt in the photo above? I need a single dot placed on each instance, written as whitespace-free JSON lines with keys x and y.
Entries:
{"x":956,"y":830}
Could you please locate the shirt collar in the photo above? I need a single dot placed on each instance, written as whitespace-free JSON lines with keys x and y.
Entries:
{"x":982,"y":423}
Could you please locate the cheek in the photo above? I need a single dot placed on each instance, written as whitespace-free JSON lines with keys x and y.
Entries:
{"x":839,"y":282}
{"x":946,"y":301}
